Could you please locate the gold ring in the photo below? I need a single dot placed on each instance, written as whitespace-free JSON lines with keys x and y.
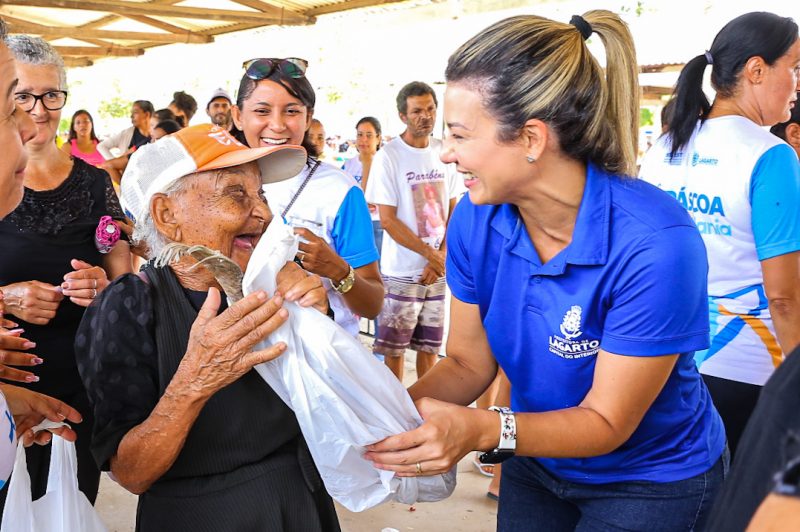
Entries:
{"x":419,"y":469}
{"x":94,"y":293}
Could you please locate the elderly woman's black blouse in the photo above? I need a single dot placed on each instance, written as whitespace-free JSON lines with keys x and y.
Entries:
{"x":37,"y":241}
{"x":119,"y":361}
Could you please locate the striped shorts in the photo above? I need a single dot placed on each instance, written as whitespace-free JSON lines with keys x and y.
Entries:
{"x":412,"y":317}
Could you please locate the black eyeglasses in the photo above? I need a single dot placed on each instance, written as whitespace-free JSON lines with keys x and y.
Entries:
{"x":292,"y":67}
{"x":51,"y":100}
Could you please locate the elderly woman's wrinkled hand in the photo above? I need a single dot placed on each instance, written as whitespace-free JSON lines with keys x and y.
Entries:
{"x":33,"y":301}
{"x":83,"y":284}
{"x":139,"y":248}
{"x":220,"y":347}
{"x":295,"y":284}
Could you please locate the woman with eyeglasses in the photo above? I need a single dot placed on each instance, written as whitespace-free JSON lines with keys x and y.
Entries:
{"x":56,"y":269}
{"x":20,"y":408}
{"x":83,"y":139}
{"x":275,"y":106}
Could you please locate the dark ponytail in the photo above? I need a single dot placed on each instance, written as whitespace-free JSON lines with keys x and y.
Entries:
{"x":765,"y":35}
{"x":689,"y":103}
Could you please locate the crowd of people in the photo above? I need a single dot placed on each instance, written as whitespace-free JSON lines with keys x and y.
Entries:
{"x":639,"y":329}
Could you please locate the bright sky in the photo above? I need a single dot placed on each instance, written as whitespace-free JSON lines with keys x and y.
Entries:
{"x":360,"y":59}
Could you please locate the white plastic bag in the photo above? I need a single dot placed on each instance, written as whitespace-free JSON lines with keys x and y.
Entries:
{"x":63,"y":508}
{"x":344,"y":398}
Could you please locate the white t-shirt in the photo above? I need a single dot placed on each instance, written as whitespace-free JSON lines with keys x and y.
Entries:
{"x":332,"y":206}
{"x":8,"y":441}
{"x":741,"y":184}
{"x":355,"y":169}
{"x":421,"y":186}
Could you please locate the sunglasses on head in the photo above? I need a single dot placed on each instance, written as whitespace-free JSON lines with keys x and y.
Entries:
{"x":292,"y":67}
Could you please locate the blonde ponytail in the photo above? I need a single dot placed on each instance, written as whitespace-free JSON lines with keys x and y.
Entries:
{"x":622,"y":81}
{"x":532,"y":67}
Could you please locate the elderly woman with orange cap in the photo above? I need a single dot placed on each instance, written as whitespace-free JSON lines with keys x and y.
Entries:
{"x":181,"y":417}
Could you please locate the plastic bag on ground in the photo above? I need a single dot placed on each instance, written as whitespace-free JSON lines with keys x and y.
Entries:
{"x":63,"y":508}
{"x":343,"y":397}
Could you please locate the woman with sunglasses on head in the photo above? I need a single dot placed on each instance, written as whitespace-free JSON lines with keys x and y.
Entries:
{"x":83,"y":140}
{"x":742,"y":187}
{"x":587,"y":287}
{"x":56,"y":268}
{"x":275,"y":106}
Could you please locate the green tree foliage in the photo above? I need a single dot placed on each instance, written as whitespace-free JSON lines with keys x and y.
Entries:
{"x":645,"y":117}
{"x":114,"y":107}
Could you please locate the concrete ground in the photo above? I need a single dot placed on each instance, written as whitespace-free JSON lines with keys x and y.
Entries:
{"x":467,"y":510}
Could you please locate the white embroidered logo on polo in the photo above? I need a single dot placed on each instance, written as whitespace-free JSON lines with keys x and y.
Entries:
{"x":571,"y":326}
{"x":567,"y":346}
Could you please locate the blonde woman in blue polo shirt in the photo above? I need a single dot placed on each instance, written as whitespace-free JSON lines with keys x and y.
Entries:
{"x":586,"y":286}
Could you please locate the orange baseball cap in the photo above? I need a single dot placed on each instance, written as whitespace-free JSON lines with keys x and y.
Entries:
{"x":154,"y":167}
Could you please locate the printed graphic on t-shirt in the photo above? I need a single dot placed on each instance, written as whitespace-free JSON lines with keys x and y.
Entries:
{"x":429,"y":207}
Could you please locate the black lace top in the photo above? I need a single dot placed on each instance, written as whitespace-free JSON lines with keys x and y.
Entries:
{"x":37,"y":242}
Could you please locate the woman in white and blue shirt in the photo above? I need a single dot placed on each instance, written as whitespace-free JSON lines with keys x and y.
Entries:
{"x":368,"y":142}
{"x":586,"y":286}
{"x":741,"y":185}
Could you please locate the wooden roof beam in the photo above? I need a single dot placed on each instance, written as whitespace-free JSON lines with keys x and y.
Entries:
{"x":124,"y":8}
{"x":51,"y":32}
{"x":668,"y":67}
{"x":161,"y":38}
{"x":98,"y":51}
{"x":264,"y":7}
{"x":77,"y":62}
{"x":346,"y":6}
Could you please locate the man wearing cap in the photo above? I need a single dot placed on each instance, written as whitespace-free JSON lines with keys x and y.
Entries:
{"x":218,"y":109}
{"x":181,"y":418}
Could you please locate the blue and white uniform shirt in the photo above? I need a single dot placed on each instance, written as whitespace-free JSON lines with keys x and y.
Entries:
{"x":741,"y":184}
{"x":332,"y":207}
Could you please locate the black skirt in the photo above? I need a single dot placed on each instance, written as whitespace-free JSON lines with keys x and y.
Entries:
{"x":283,"y":497}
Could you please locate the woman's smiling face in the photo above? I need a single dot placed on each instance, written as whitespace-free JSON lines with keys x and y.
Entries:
{"x":40,"y":79}
{"x":271,"y":116}
{"x":234,"y":211}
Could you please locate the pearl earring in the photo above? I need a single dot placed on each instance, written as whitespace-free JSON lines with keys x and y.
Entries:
{"x":531,"y":159}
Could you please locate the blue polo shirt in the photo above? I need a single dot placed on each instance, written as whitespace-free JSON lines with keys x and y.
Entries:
{"x":632,"y":282}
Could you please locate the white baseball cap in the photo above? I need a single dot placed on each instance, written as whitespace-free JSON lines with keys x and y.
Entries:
{"x":219,"y":93}
{"x":154,"y":167}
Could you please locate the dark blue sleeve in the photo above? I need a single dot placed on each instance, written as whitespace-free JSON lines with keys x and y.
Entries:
{"x":659,"y":304}
{"x":775,"y":202}
{"x":457,"y":267}
{"x":352,"y":230}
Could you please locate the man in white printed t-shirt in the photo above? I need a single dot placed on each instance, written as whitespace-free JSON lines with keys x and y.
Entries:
{"x":415,"y":193}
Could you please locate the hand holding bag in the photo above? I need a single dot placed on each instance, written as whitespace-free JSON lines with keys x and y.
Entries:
{"x":63,"y":508}
{"x":344,"y":398}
